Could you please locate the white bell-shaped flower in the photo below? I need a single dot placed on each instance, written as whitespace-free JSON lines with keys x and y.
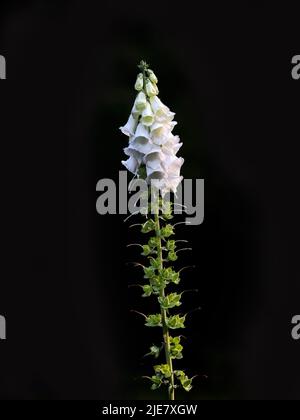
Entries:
{"x":147,"y":116}
{"x":135,"y":113}
{"x":162,"y":112}
{"x":130,"y":127}
{"x":131,"y":152}
{"x":152,"y":76}
{"x":139,"y":84}
{"x":160,"y":132}
{"x":151,"y":89}
{"x":172,"y":146}
{"x":131,"y":165}
{"x":140,"y":102}
{"x":154,"y":164}
{"x":142,"y":142}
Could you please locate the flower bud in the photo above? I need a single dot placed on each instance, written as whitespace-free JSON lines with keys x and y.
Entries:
{"x":147,"y":116}
{"x":152,"y":77}
{"x":140,"y":102}
{"x":139,"y":84}
{"x":151,"y":89}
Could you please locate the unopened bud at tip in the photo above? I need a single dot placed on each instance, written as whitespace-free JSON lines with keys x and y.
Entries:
{"x":152,"y":77}
{"x":139,"y":84}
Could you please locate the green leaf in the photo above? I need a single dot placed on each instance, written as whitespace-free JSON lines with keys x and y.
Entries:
{"x":153,"y":321}
{"x":176,"y":321}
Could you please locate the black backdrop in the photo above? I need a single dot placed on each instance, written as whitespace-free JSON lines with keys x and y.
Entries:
{"x":226,"y":71}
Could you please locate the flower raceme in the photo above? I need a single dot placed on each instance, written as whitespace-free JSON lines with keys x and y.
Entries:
{"x":152,"y":156}
{"x":152,"y":147}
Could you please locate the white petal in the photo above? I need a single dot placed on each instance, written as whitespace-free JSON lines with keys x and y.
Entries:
{"x":154,"y":174}
{"x":143,"y":145}
{"x":173,"y":166}
{"x":171,"y":184}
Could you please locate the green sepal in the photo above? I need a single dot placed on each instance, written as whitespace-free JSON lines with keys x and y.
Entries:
{"x":156,"y":380}
{"x":170,"y":301}
{"x":146,"y":250}
{"x":155,"y":263}
{"x":167,"y":231}
{"x":149,"y":272}
{"x":153,"y":242}
{"x":147,"y":290}
{"x":167,"y":210}
{"x":171,"y":245}
{"x":168,"y":275}
{"x":157,"y":283}
{"x":149,"y":226}
{"x":176,"y":321}
{"x":164,"y":370}
{"x":176,"y":348}
{"x":185,"y":381}
{"x":154,"y":351}
{"x":187,"y":384}
{"x":172,"y":256}
{"x":153,"y":320}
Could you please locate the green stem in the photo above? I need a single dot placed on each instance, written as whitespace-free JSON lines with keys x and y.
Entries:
{"x":164,"y":313}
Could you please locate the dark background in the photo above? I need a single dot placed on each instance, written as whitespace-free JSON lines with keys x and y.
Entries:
{"x":226,"y":71}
